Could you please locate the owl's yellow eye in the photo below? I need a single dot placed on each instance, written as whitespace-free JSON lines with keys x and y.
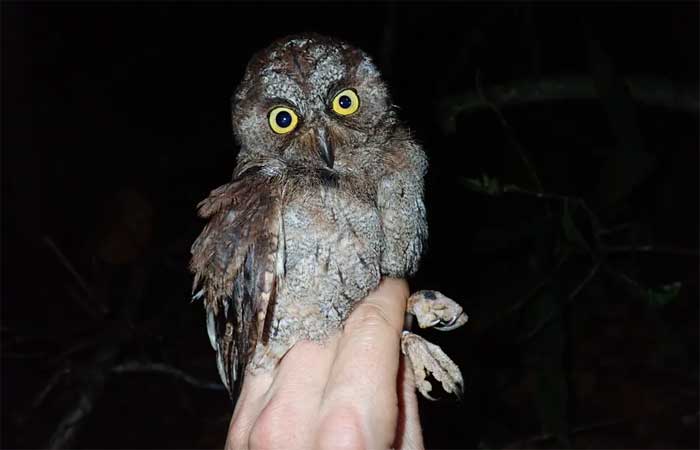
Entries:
{"x":282,"y":120}
{"x":346,"y":102}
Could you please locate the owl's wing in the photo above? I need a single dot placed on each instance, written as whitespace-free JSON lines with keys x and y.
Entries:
{"x":235,"y":264}
{"x":400,"y":203}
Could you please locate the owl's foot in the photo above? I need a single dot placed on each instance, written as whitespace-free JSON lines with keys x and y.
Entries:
{"x":427,"y":358}
{"x":432,"y":309}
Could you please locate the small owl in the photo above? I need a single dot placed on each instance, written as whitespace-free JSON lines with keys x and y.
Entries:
{"x":326,"y":199}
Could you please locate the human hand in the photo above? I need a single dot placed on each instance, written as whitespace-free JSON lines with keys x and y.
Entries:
{"x":354,"y":391}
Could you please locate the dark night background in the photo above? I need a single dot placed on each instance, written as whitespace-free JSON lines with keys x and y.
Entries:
{"x":562,"y":195}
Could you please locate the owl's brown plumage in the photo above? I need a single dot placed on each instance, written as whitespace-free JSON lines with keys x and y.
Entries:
{"x":316,"y":214}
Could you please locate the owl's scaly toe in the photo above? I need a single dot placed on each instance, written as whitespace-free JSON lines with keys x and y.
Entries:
{"x":432,"y":309}
{"x":427,"y":358}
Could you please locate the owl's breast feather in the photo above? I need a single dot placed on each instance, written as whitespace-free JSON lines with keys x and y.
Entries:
{"x":333,"y":247}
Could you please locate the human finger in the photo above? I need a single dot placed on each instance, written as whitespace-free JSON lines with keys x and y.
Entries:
{"x":362,"y":382}
{"x":409,"y":435}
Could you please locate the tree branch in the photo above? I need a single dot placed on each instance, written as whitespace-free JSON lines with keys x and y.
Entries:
{"x":540,"y":326}
{"x":91,"y":306}
{"x":658,"y":249}
{"x":531,"y":171}
{"x":527,"y":442}
{"x":651,"y":91}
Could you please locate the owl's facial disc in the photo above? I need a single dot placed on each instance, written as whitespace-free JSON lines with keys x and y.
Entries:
{"x":312,"y":102}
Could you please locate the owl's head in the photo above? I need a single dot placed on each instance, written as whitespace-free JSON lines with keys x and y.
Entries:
{"x":312,"y":102}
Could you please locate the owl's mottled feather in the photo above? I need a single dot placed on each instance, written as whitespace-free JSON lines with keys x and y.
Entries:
{"x":297,"y":239}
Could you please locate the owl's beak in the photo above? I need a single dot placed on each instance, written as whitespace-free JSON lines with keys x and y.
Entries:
{"x":325,"y":148}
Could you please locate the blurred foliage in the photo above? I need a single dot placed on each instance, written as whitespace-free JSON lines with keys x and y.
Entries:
{"x":567,"y":262}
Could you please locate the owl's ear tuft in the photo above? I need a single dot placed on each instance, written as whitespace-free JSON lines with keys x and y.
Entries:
{"x":366,"y":68}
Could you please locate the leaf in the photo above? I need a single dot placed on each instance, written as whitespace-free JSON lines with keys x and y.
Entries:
{"x":485,"y":185}
{"x":663,"y":295}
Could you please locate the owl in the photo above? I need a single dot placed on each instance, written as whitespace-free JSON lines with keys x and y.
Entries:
{"x":326,"y":198}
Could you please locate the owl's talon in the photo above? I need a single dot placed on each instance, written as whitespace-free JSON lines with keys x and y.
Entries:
{"x":427,"y":358}
{"x":431,"y":324}
{"x":454,"y":323}
{"x":432,"y":309}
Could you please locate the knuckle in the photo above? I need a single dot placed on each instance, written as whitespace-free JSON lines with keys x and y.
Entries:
{"x":269,"y":429}
{"x":369,"y":315}
{"x":341,"y":430}
{"x":236,"y":439}
{"x":238,"y":433}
